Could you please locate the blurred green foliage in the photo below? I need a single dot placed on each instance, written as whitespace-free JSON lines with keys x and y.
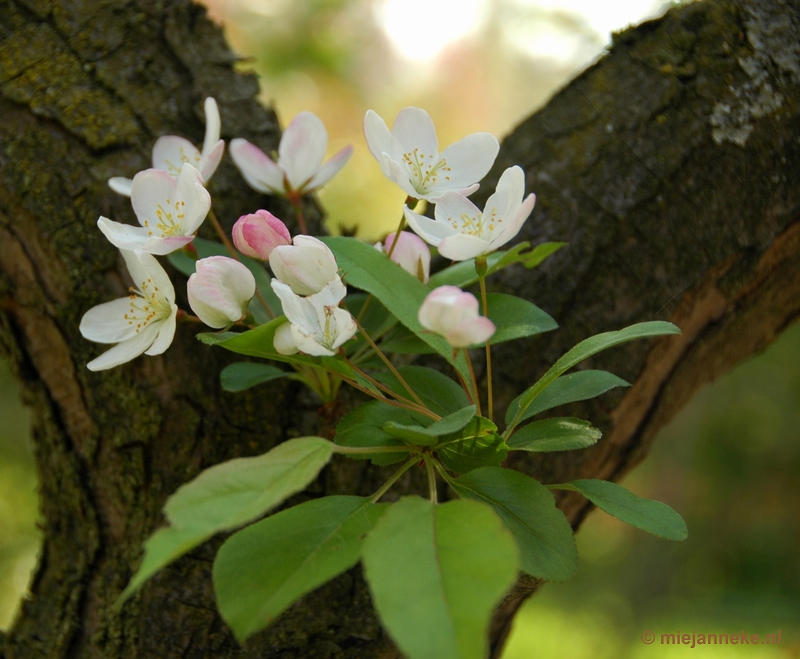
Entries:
{"x":730,"y":464}
{"x":19,"y":537}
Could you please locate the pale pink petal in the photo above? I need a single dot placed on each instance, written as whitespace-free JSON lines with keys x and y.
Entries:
{"x":120,"y":185}
{"x":468,"y":161}
{"x":471,"y":332}
{"x":213,"y":126}
{"x":414,"y":129}
{"x":455,"y":209}
{"x":260,"y":172}
{"x":302,"y":148}
{"x":124,"y":236}
{"x":210,"y":161}
{"x":327,"y":171}
{"x":170,"y":152}
{"x":220,"y":290}
{"x":195,"y":200}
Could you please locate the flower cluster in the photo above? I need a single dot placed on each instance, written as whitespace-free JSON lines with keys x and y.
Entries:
{"x":170,"y":202}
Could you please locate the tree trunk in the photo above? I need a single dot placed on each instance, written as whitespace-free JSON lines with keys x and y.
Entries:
{"x":670,"y":167}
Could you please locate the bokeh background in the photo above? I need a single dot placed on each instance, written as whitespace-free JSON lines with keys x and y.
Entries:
{"x":729,"y":462}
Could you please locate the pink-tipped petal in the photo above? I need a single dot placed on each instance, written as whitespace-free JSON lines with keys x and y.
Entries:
{"x":260,"y":172}
{"x":471,"y":332}
{"x":327,"y":171}
{"x":209,"y":161}
{"x":302,"y":148}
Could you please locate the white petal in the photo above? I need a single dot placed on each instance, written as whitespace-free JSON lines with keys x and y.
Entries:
{"x":129,"y":238}
{"x":513,"y":226}
{"x":508,"y":196}
{"x":106,"y":323}
{"x":431,"y":231}
{"x":260,"y":172}
{"x":283,"y":340}
{"x":302,"y":148}
{"x":308,"y":344}
{"x":126,"y":350}
{"x":210,"y":161}
{"x":213,"y":126}
{"x":149,"y":191}
{"x":397,"y":173}
{"x":380,"y":139}
{"x":344,"y":327}
{"x":170,"y":152}
{"x":197,"y":202}
{"x":327,"y":171}
{"x":295,"y":308}
{"x":414,"y":129}
{"x":462,"y":246}
{"x":144,"y":267}
{"x":120,"y":185}
{"x":469,"y":160}
{"x":166,"y":334}
{"x":331,"y":295}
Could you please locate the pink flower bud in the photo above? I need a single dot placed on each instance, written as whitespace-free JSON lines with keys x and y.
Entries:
{"x":451,"y":312}
{"x":411,"y":254}
{"x":257,"y":234}
{"x":220,"y":290}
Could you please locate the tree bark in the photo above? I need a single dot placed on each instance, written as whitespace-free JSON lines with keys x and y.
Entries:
{"x":670,"y":167}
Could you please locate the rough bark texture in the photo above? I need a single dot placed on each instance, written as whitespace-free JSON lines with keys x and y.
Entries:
{"x":670,"y":167}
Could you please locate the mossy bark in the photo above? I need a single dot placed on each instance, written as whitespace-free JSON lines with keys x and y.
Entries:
{"x":670,"y":167}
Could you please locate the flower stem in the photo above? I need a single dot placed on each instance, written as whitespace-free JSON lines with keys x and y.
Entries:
{"x":400,"y":227}
{"x":297,"y":206}
{"x":229,"y":245}
{"x":431,"y":480}
{"x":474,"y":382}
{"x":480,"y":266}
{"x":388,"y":362}
{"x":393,"y":478}
{"x":405,"y":401}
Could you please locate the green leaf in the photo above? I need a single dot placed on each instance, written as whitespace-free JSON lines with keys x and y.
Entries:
{"x":205,"y":248}
{"x":561,"y":434}
{"x":646,"y":514}
{"x":229,"y":495}
{"x":587,"y":348}
{"x":527,"y":508}
{"x":441,"y":394}
{"x":401,"y":293}
{"x":581,"y":385}
{"x":463,"y":274}
{"x":421,"y":436}
{"x":244,"y":375}
{"x":364,"y":426}
{"x":261,"y":570}
{"x":516,"y":318}
{"x":475,"y":445}
{"x":259,"y":342}
{"x":436,"y":572}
